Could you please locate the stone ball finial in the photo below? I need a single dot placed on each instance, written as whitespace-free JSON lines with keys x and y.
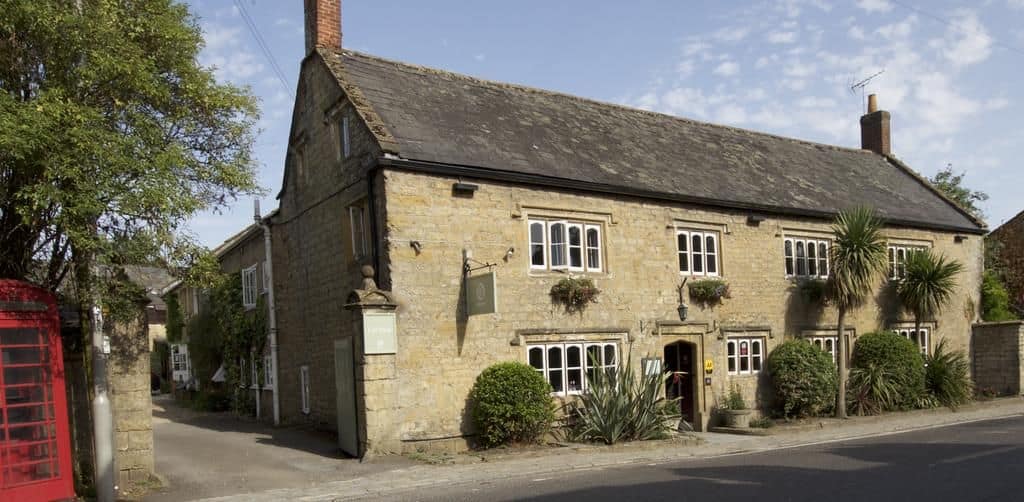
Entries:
{"x":368,"y":283}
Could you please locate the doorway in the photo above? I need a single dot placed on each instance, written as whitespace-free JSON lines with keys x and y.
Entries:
{"x":681,"y":380}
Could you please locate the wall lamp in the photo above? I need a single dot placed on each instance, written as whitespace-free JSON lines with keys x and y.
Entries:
{"x":755,"y":219}
{"x":464,"y":189}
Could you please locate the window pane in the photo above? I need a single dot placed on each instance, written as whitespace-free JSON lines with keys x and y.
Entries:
{"x":684,"y":255}
{"x":755,"y":348}
{"x":593,"y":249}
{"x":537,"y":357}
{"x":822,"y":259}
{"x":731,"y":348}
{"x":712,"y":258}
{"x":575,"y":378}
{"x":756,"y":363}
{"x":554,"y":358}
{"x":787,"y":251}
{"x":900,"y":263}
{"x":732,"y":364}
{"x":744,"y":363}
{"x":892,"y":262}
{"x":609,"y":355}
{"x":537,"y":243}
{"x":555,"y":379}
{"x":812,"y":261}
{"x":801,"y":259}
{"x":573,"y":357}
{"x":558,"y":245}
{"x":593,"y":355}
{"x":575,"y":246}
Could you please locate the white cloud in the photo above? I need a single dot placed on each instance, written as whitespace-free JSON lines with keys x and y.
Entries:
{"x":799,"y":69}
{"x":856,"y":32}
{"x":765,"y":61}
{"x":782,"y":37}
{"x":480,"y":57}
{"x":874,"y":5}
{"x":731,"y":34}
{"x":685,"y":68}
{"x":813,"y":102}
{"x":1015,"y":4}
{"x":727,"y":69}
{"x":900,"y":30}
{"x":731,"y":114}
{"x":966,"y":41}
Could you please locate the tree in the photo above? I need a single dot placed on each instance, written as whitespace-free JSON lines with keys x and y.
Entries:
{"x":859,"y":260}
{"x":111,"y":136}
{"x":951,"y":185}
{"x":928,"y":284}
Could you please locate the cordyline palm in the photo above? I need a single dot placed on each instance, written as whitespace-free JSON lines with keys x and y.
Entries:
{"x":928,"y":284}
{"x":858,"y":262}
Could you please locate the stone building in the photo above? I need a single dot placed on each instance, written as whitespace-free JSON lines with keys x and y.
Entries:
{"x":1010,"y":236}
{"x":245,"y":254}
{"x":425,"y":174}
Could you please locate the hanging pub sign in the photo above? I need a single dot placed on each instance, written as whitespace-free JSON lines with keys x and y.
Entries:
{"x":482,"y":294}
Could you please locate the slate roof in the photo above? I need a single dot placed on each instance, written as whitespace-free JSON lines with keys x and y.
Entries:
{"x":441,"y":117}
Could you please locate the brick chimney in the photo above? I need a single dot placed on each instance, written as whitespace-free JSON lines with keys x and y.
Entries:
{"x":874,"y":129}
{"x":323,"y":24}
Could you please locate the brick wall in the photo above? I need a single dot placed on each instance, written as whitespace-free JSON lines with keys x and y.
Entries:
{"x":1011,"y":237}
{"x":997,"y":350}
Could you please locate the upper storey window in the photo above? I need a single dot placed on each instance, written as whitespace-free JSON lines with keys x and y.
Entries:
{"x":698,"y":252}
{"x":565,"y":245}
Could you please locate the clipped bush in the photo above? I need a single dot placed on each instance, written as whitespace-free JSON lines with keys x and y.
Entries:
{"x":995,"y":301}
{"x":898,"y":359}
{"x":947,"y":376}
{"x":511,"y":404}
{"x":621,"y":405}
{"x":804,"y":378}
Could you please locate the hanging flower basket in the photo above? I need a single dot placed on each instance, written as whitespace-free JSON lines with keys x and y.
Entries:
{"x":709,"y":291}
{"x":575,"y":293}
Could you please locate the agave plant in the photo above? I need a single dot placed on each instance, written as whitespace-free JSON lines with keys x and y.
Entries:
{"x":858,"y":260}
{"x":873,"y":389}
{"x":928,"y":284}
{"x":621,"y":406}
{"x":947,"y":376}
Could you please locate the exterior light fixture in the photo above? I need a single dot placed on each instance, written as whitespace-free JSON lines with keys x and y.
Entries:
{"x":959,"y":238}
{"x":755,"y":219}
{"x":464,"y":189}
{"x":683,"y":308}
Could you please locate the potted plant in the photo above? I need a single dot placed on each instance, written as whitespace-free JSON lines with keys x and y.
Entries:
{"x":734,"y":409}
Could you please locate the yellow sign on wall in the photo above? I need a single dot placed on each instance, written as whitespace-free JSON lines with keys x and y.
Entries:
{"x":709,"y":365}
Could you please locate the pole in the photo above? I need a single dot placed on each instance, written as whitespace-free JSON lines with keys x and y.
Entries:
{"x":102,"y":420}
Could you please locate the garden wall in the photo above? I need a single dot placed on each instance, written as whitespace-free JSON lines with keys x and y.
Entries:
{"x":998,"y":349}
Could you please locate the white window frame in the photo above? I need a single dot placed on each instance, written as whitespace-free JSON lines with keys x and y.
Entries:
{"x":304,"y":388}
{"x":268,"y":372}
{"x":791,"y":264}
{"x":897,"y":255}
{"x":734,"y":358}
{"x":551,"y":228}
{"x":249,"y":287}
{"x":346,"y":145}
{"x":923,"y":344}
{"x":584,"y":367}
{"x":823,"y":342}
{"x":357,"y":225}
{"x":703,"y":255}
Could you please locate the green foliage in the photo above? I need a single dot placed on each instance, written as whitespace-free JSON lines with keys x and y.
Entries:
{"x":995,"y":301}
{"x":762,"y":423}
{"x":709,"y":291}
{"x":875,"y":388}
{"x":619,"y":405}
{"x":859,"y":257}
{"x":951,"y":185}
{"x":929,"y":283}
{"x":575,"y":293}
{"x":211,"y":400}
{"x":947,"y":376}
{"x":111,"y":136}
{"x":175,"y":318}
{"x":511,"y":403}
{"x":804,"y":378}
{"x":734,"y":401}
{"x":895,"y":358}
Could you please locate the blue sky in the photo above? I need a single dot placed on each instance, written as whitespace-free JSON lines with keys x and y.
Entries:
{"x":952,"y":69}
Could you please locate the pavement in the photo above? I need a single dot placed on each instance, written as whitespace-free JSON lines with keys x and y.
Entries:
{"x":386,"y":477}
{"x":200,"y":455}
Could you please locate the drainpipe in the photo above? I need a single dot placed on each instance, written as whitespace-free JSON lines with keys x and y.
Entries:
{"x":271,"y":311}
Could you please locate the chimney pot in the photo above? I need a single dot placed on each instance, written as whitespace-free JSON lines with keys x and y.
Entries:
{"x":874,"y":129}
{"x":323,"y":24}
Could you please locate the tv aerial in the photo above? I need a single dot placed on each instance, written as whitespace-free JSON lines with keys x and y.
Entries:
{"x":859,"y":86}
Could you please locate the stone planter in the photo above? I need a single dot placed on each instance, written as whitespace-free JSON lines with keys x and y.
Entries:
{"x":737,"y":418}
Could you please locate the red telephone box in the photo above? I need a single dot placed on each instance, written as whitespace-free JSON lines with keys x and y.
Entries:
{"x":35,"y":446}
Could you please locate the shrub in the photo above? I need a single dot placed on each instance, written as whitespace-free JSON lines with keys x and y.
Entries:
{"x":995,"y":301}
{"x":898,"y":360}
{"x":621,"y":406}
{"x":804,"y":378}
{"x":946,"y":376}
{"x":511,"y":403}
{"x":735,"y":400}
{"x":873,"y":389}
{"x":212,"y":400}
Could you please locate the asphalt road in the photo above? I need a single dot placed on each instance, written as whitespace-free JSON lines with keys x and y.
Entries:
{"x":980,"y":461}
